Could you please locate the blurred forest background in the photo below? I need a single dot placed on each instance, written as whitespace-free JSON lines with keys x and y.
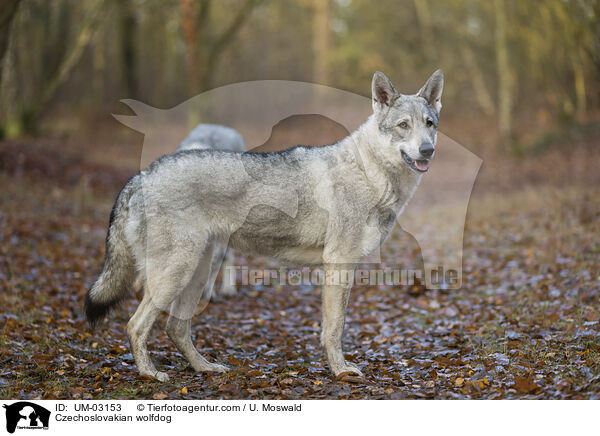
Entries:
{"x":517,"y":73}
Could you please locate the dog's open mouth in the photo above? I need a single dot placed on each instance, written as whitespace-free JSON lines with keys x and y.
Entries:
{"x":420,"y":165}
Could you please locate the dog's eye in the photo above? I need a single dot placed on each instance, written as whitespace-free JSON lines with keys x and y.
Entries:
{"x":429,"y":123}
{"x":403,"y":125}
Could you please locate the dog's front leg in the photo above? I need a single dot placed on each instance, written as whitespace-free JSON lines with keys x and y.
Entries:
{"x":336,"y":291}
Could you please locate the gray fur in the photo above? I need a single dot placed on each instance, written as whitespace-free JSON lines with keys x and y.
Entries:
{"x":347,"y":196}
{"x":215,"y":137}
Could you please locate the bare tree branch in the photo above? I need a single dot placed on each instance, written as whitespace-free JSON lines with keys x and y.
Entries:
{"x":69,"y":62}
{"x":227,"y":36}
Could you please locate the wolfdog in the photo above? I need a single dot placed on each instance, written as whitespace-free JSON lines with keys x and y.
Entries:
{"x":216,"y":137}
{"x":167,"y":220}
{"x":212,"y":136}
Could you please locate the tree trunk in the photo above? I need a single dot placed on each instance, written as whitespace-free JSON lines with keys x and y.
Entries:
{"x":477,"y":81}
{"x":321,"y":41}
{"x":503,"y":69}
{"x":203,"y":49}
{"x":223,"y":41}
{"x":189,"y":25}
{"x":426,"y":29}
{"x":127,"y":35}
{"x":580,"y":94}
{"x":8,"y":10}
{"x":29,"y":116}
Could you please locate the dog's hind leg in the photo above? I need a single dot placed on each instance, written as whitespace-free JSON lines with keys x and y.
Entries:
{"x":138,"y":329}
{"x":180,"y":332}
{"x":168,"y":272}
{"x":182,"y":310}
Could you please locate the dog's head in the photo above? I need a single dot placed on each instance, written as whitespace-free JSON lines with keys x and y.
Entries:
{"x":408,"y":123}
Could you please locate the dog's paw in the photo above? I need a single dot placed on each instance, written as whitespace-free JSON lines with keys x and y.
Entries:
{"x":212,"y":367}
{"x":160,"y":376}
{"x":219,"y":368}
{"x":347,"y":369}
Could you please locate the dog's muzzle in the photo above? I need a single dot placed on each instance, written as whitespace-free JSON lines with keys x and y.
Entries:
{"x":419,"y":165}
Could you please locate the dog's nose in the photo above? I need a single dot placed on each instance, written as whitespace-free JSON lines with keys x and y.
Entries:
{"x":426,"y":150}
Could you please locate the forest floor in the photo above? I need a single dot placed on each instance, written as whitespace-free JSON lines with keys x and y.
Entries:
{"x":525,"y":324}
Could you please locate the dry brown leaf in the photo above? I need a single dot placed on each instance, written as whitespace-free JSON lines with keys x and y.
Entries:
{"x":525,"y":385}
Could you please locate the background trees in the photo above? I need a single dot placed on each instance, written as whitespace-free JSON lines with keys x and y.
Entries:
{"x":517,"y":68}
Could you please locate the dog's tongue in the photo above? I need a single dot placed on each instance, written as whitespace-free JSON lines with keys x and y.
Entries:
{"x":422,"y":165}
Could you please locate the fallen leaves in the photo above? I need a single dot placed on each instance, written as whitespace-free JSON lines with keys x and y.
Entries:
{"x":525,"y":324}
{"x":525,"y":385}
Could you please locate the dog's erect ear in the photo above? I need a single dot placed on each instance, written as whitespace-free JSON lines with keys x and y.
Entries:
{"x":432,"y":90}
{"x":382,"y":91}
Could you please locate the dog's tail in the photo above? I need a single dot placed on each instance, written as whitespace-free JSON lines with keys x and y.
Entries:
{"x":118,"y":274}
